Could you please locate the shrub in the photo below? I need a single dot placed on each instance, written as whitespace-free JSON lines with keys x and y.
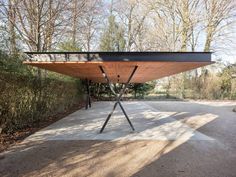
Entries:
{"x":26,"y":99}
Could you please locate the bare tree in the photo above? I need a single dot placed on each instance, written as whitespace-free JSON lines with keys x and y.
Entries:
{"x":133,"y":15}
{"x":77,"y":13}
{"x":11,"y":26}
{"x":219,"y":15}
{"x":36,"y":21}
{"x":90,"y":24}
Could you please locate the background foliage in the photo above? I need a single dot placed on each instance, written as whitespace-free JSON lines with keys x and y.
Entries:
{"x":27,"y":99}
{"x":29,"y":95}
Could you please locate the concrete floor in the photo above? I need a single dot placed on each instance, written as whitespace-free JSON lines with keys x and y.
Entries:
{"x":170,"y":139}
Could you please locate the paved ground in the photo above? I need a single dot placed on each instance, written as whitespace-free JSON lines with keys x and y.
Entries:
{"x":171,"y":139}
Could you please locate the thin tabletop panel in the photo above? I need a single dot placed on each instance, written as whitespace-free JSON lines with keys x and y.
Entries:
{"x":119,"y":65}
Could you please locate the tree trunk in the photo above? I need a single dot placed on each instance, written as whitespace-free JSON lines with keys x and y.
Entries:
{"x":11,"y":26}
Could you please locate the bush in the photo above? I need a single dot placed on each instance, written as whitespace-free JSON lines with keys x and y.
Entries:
{"x":26,"y":99}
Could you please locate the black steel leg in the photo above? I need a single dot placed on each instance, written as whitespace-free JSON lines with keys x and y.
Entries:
{"x":108,"y":117}
{"x":88,"y":99}
{"x":118,"y":97}
{"x":123,"y":110}
{"x":89,"y":102}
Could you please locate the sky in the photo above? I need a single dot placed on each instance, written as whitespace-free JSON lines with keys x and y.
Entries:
{"x":226,"y":48}
{"x":228,"y":53}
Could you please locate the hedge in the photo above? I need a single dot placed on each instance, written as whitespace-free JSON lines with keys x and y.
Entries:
{"x":25,"y":100}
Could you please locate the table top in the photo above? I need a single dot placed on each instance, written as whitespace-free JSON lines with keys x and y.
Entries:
{"x":119,"y":65}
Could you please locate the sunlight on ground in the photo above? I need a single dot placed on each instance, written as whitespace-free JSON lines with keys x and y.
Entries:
{"x":74,"y":146}
{"x":149,"y":123}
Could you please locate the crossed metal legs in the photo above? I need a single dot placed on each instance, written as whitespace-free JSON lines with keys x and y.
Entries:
{"x":118,"y":97}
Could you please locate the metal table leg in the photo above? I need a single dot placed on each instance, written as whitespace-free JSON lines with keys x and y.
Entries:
{"x":88,"y":99}
{"x":118,"y":97}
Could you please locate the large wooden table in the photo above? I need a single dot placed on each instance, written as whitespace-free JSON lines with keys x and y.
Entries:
{"x":118,"y":67}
